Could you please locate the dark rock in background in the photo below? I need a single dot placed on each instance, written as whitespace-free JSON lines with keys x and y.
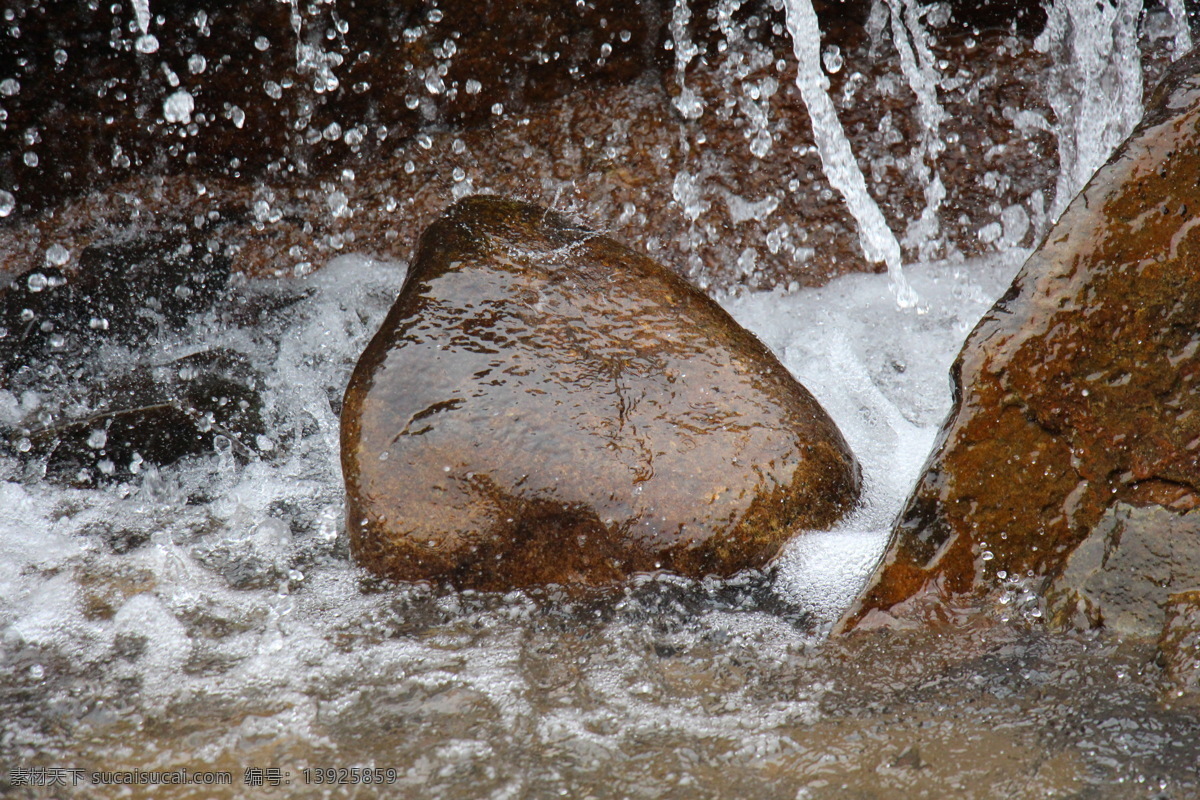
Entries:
{"x":201,"y":403}
{"x":120,"y":292}
{"x":543,"y":405}
{"x":113,"y":415}
{"x":1080,"y":389}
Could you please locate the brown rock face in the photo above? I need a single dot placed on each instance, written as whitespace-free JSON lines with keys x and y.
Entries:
{"x":1081,"y":388}
{"x":543,"y":405}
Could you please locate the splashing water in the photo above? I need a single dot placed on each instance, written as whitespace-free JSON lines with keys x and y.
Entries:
{"x":917,"y":65}
{"x":1098,"y":91}
{"x":878,"y":242}
{"x":207,"y":615}
{"x":687,"y":103}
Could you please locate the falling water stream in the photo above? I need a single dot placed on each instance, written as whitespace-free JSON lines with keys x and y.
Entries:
{"x":878,"y":241}
{"x":205,"y":616}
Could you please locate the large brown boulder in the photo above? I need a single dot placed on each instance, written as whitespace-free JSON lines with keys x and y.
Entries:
{"x":544,"y":405}
{"x":1080,"y":389}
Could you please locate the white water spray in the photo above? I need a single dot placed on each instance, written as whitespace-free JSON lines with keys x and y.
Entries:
{"x":917,"y":63}
{"x":1097,"y":95}
{"x":1183,"y":34}
{"x":876,"y":238}
{"x":687,"y":103}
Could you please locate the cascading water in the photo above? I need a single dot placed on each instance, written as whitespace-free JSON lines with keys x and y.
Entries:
{"x":918,"y":65}
{"x":1098,"y":95}
{"x":878,"y":241}
{"x":688,"y":105}
{"x":205,"y":614}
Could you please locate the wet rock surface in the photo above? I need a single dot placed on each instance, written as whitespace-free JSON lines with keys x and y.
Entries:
{"x":316,"y":88}
{"x":1179,"y":649}
{"x":1079,"y":390}
{"x":1122,"y":575}
{"x":543,"y":405}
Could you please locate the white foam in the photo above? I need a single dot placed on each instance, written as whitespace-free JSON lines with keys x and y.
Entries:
{"x":882,"y":374}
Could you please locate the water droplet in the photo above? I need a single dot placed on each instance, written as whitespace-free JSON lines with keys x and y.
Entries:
{"x":57,"y":255}
{"x":7,"y":203}
{"x":197,"y":63}
{"x":338,"y":204}
{"x":473,"y":86}
{"x":832,"y":58}
{"x":31,"y":159}
{"x":97,"y":439}
{"x":497,"y":108}
{"x":433,"y":82}
{"x":178,"y":107}
{"x":9,"y":87}
{"x":36,"y":282}
{"x":147,"y":43}
{"x":262,"y":43}
{"x":458,"y":174}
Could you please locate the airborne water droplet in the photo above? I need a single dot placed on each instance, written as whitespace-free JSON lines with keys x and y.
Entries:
{"x":57,"y":255}
{"x":147,"y":43}
{"x":832,"y":58}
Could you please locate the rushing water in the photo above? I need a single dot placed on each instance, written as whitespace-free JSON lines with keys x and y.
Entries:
{"x":206,"y":615}
{"x":878,"y":241}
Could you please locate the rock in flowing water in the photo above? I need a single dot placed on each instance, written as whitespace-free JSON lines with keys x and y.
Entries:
{"x":544,"y":405}
{"x":1078,"y":393}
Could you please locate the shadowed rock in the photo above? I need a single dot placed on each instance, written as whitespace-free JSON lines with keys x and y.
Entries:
{"x":108,"y":415}
{"x":1179,"y":649}
{"x":1121,"y":575}
{"x":543,"y":405}
{"x":1080,"y":389}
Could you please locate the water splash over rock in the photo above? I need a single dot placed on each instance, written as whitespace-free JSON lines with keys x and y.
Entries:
{"x":1079,"y":390}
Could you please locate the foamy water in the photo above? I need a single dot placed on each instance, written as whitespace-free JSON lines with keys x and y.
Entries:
{"x":239,"y":634}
